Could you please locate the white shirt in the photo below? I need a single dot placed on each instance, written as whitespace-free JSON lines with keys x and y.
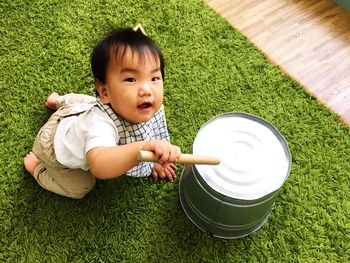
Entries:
{"x":100,"y":127}
{"x":76,"y":135}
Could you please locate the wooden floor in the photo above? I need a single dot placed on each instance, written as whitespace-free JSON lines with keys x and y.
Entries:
{"x":308,"y":39}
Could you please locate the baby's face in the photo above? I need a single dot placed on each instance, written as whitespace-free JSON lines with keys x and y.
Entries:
{"x":134,"y":87}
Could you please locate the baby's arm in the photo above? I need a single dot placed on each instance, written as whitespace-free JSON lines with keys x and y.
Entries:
{"x":111,"y":162}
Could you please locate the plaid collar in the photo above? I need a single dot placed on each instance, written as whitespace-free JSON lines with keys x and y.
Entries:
{"x":154,"y":129}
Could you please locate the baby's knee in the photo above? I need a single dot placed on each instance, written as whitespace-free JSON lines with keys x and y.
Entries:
{"x":83,"y":191}
{"x":78,"y":195}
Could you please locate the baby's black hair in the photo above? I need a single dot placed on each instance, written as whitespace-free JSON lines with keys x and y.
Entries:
{"x":118,"y":41}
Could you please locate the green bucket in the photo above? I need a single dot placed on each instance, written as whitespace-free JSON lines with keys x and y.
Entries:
{"x":235,"y":198}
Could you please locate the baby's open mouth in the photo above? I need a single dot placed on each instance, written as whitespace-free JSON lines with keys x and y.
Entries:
{"x":144,"y":105}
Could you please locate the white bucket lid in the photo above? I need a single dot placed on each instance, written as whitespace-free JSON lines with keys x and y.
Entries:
{"x":255,"y":159}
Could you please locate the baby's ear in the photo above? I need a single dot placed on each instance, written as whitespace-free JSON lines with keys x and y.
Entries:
{"x":139,"y":28}
{"x":102,"y":91}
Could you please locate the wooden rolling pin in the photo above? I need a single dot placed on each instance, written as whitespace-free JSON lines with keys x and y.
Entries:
{"x":148,"y":156}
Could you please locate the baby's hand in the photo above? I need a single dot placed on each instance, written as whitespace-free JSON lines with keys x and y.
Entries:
{"x":162,"y":171}
{"x":165,"y":151}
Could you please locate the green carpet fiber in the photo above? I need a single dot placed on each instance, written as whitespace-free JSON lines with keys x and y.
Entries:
{"x":210,"y":69}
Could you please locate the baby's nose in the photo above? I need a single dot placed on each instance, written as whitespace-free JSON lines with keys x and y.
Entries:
{"x":145,"y":89}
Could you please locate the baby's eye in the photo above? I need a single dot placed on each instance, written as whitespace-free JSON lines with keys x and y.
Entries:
{"x":130,"y":80}
{"x":156,"y":78}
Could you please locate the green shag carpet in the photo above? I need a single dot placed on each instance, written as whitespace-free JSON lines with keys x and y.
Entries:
{"x":210,"y":69}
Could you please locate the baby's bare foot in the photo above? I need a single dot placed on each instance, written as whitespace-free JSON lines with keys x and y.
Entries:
{"x":51,"y":100}
{"x":30,"y":162}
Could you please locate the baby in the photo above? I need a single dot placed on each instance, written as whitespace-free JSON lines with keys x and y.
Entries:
{"x":88,"y":137}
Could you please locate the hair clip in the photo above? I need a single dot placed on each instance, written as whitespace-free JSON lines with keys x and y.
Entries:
{"x":139,"y":28}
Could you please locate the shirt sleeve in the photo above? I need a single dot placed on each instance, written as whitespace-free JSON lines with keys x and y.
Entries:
{"x":83,"y":133}
{"x":100,"y":132}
